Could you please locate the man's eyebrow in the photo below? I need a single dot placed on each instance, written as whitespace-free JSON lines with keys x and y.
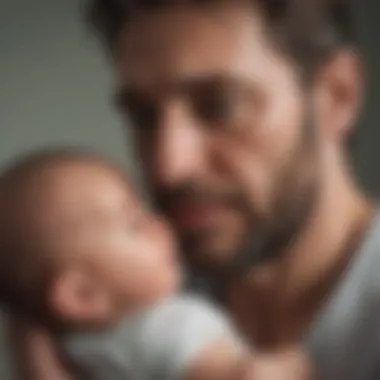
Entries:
{"x":124,"y":96}
{"x":177,"y":85}
{"x":200,"y":80}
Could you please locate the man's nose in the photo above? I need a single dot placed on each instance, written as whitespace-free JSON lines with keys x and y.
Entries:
{"x":179,"y":147}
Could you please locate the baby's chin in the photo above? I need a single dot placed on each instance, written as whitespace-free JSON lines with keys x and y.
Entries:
{"x":164,"y":286}
{"x":170,"y":285}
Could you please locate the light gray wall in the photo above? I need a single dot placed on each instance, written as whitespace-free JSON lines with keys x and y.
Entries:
{"x":367,"y":155}
{"x":54,"y":82}
{"x":55,"y":86}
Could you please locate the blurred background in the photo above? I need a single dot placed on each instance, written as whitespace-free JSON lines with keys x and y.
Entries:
{"x":55,"y":87}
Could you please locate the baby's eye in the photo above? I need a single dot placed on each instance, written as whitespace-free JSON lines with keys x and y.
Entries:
{"x":138,"y":222}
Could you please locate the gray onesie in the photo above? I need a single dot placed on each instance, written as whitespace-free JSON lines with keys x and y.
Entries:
{"x":157,"y":344}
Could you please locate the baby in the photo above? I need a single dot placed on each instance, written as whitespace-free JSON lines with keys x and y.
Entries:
{"x":80,"y":254}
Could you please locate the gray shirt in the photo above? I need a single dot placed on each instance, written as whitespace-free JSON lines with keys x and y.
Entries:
{"x":344,"y":340}
{"x":160,"y":343}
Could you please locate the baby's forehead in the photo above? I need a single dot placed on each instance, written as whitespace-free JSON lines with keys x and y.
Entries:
{"x":87,"y":188}
{"x":69,"y":190}
{"x":91,"y":177}
{"x":51,"y":204}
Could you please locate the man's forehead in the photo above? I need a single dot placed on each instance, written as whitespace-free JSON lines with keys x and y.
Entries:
{"x":164,"y":46}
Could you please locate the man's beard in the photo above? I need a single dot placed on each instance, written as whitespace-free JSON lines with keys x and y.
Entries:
{"x":269,"y":243}
{"x":267,"y":240}
{"x":294,"y":202}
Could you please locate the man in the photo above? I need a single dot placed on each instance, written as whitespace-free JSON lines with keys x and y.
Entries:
{"x":242,"y":112}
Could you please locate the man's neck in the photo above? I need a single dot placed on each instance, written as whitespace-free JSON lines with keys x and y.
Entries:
{"x":290,"y":290}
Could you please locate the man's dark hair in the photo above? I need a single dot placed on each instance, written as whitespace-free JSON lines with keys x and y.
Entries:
{"x":308,"y":31}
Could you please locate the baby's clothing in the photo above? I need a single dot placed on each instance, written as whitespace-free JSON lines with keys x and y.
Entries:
{"x":159,"y":343}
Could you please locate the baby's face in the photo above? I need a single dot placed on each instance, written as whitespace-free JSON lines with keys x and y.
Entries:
{"x":128,"y":252}
{"x":132,"y":249}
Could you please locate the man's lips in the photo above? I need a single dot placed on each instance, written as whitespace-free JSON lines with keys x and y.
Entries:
{"x":194,"y":216}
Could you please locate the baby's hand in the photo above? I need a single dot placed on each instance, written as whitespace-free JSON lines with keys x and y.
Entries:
{"x":289,"y":364}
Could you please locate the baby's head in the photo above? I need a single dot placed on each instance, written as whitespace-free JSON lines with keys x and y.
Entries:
{"x":78,"y":247}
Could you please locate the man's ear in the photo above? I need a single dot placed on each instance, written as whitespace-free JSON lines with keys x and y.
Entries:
{"x":339,"y":95}
{"x":77,"y":297}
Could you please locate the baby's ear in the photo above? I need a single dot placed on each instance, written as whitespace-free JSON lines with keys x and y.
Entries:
{"x":76,"y":297}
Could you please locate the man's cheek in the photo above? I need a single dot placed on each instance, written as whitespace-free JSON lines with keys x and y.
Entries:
{"x":255,"y":182}
{"x":247,"y":169}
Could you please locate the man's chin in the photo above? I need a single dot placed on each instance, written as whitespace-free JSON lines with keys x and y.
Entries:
{"x":208,"y":256}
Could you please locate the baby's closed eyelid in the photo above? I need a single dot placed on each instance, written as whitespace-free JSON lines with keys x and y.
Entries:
{"x":137,"y":220}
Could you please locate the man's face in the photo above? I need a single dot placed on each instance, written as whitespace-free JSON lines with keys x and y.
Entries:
{"x":223,"y":127}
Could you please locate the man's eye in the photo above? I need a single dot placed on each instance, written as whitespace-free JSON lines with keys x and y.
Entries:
{"x":215,"y":107}
{"x":142,"y":112}
{"x":144,"y":117}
